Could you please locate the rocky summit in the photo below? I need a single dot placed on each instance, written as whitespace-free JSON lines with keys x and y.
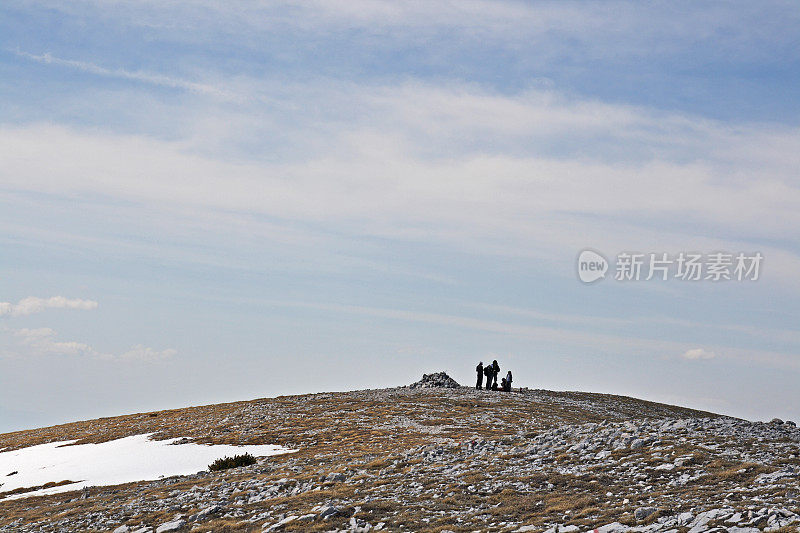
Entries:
{"x":440,"y":458}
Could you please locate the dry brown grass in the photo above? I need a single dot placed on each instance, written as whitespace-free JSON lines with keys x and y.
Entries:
{"x":342,"y":432}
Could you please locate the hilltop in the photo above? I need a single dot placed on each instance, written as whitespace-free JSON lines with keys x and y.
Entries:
{"x":432,"y":458}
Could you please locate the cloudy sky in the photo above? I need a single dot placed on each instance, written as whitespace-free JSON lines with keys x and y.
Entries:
{"x":211,"y":200}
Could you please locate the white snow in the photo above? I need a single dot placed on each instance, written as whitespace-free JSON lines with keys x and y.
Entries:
{"x":135,"y":458}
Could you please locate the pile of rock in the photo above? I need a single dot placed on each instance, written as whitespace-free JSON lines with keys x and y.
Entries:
{"x":438,"y":380}
{"x":779,"y":422}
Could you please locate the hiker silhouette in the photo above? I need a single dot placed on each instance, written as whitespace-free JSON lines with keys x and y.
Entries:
{"x":491,"y":371}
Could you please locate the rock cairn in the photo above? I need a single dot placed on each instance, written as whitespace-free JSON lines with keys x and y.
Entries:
{"x":437,"y":380}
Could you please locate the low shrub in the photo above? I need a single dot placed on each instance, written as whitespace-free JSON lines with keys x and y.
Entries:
{"x":232,"y":462}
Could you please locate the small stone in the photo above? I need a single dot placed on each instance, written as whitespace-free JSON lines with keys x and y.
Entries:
{"x":643,"y":513}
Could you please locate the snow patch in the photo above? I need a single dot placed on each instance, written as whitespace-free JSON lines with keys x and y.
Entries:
{"x":135,"y":458}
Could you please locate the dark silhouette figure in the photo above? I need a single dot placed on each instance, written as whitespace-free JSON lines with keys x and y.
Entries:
{"x":479,"y":370}
{"x":508,"y":379}
{"x":504,"y":385}
{"x":495,"y":373}
{"x":487,"y":371}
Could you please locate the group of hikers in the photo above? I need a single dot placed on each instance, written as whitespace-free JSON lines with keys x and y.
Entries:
{"x":491,"y":372}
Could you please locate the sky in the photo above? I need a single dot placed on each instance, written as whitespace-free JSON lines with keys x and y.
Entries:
{"x":212,"y":201}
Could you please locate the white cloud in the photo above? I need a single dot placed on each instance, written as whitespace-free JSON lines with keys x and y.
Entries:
{"x":698,"y":353}
{"x":42,"y":341}
{"x":32,"y":304}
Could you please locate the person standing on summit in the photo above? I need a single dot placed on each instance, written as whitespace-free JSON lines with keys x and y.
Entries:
{"x":495,"y":372}
{"x":479,"y":370}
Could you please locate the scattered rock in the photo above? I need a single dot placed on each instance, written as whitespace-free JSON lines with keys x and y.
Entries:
{"x":772,"y":477}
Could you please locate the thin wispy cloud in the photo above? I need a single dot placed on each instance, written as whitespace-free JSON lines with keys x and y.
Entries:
{"x":33,"y":304}
{"x":145,"y":353}
{"x":137,"y":76}
{"x":637,"y":346}
{"x":565,"y":23}
{"x":380,"y":173}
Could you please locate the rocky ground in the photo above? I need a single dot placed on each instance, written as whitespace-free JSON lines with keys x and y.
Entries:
{"x":439,"y":458}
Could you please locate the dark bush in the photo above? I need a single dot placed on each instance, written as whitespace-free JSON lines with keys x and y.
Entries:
{"x":232,"y":462}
